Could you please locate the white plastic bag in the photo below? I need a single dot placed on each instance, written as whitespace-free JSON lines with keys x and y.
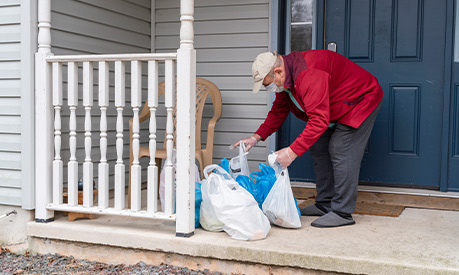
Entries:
{"x":239,"y":165}
{"x":234,"y":206}
{"x":279,"y":206}
{"x":162,"y":178}
{"x":272,"y":161}
{"x":207,"y":217}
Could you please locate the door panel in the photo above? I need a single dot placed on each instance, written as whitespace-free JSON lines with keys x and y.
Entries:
{"x":359,"y":30}
{"x":407,"y":22}
{"x":404,"y":120}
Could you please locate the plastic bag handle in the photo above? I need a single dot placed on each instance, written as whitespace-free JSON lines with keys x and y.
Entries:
{"x":212,"y":167}
{"x":242,"y":147}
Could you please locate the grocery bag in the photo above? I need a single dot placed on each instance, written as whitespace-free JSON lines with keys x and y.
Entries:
{"x":280,"y":205}
{"x":239,"y":165}
{"x":224,"y":163}
{"x":162,"y":178}
{"x":197,"y":203}
{"x":264,"y":180}
{"x":234,"y":206}
{"x":248,"y":184}
{"x":207,"y":217}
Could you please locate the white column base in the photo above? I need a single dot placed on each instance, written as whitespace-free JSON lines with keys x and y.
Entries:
{"x":103,"y":185}
{"x":72,"y":190}
{"x":88,"y":188}
{"x":58,"y":185}
{"x":119,"y":187}
{"x":135,"y":188}
{"x":169,"y":191}
{"x":152,"y":189}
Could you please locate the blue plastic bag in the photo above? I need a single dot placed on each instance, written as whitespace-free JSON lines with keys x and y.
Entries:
{"x":264,"y":180}
{"x":197,"y":203}
{"x":248,"y":184}
{"x":224,"y":163}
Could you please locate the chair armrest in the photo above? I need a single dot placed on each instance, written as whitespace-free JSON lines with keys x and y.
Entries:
{"x":210,"y":132}
{"x":145,"y":114}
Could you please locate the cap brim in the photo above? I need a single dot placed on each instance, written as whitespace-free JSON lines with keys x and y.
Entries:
{"x":257,"y":86}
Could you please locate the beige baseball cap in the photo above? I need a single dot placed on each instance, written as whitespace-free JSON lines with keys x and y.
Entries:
{"x":261,"y":67}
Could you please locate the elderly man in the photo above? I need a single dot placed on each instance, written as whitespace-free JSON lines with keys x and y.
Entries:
{"x":339,"y":100}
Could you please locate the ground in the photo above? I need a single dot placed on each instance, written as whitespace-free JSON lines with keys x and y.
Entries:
{"x":56,"y":264}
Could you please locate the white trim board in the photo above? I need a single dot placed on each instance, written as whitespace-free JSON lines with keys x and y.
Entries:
{"x":28,"y":48}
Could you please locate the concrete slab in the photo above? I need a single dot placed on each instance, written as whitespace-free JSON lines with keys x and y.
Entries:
{"x":13,"y":227}
{"x":420,"y":241}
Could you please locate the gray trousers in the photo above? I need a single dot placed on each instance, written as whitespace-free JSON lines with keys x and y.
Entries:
{"x":337,"y":156}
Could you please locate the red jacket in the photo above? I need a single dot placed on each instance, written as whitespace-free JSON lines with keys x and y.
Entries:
{"x":329,"y":88}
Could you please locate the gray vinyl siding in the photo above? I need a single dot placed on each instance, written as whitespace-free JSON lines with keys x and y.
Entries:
{"x":10,"y":102}
{"x":228,"y":36}
{"x":99,"y":27}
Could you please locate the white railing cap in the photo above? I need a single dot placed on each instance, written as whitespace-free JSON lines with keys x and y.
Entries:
{"x":112,"y":57}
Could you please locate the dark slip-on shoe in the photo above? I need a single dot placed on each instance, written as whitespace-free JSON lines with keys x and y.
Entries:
{"x":331,"y":219}
{"x":312,"y":210}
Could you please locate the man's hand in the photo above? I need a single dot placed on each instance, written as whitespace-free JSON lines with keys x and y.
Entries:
{"x":249,"y":142}
{"x":285,"y":157}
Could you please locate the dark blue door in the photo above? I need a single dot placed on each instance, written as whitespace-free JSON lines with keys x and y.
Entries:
{"x":402,"y":43}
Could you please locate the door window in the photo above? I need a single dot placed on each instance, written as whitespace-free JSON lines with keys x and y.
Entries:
{"x":302,"y":31}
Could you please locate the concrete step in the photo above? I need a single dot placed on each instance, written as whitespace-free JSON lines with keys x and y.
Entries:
{"x":419,"y":241}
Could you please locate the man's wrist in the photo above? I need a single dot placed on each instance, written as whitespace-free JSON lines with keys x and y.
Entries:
{"x":257,"y":137}
{"x":290,"y":151}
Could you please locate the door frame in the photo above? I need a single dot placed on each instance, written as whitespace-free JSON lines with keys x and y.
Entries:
{"x":447,"y":107}
{"x":447,"y":125}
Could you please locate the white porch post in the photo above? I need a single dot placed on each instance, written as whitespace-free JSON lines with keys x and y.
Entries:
{"x":186,"y":97}
{"x":43,"y":116}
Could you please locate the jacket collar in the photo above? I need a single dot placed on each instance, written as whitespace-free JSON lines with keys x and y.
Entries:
{"x":294,"y":64}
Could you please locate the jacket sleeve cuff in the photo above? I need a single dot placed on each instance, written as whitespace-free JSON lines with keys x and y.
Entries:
{"x":263,"y":133}
{"x":297,"y":148}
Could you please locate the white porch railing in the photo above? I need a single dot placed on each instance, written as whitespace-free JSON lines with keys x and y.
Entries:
{"x":49,"y":168}
{"x":120,"y":61}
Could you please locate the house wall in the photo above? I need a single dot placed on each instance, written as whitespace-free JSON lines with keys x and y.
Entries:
{"x":228,"y":36}
{"x":99,"y":27}
{"x":10,"y":103}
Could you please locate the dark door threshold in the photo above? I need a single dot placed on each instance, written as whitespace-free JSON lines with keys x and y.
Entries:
{"x":386,"y":198}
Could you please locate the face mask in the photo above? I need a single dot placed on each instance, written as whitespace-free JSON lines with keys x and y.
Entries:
{"x":273,"y":88}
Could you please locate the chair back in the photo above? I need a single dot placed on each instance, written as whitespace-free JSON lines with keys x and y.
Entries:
{"x":204,"y":89}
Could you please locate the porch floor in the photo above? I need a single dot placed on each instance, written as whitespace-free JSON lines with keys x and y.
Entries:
{"x":419,"y":241}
